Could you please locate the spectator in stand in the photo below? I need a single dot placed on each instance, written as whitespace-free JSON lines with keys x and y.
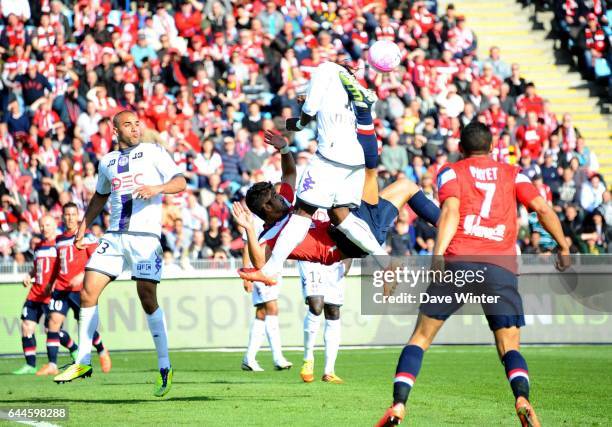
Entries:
{"x":532,"y":136}
{"x":394,"y":157}
{"x":594,"y":43}
{"x":530,"y":101}
{"x":232,"y":164}
{"x":591,"y":193}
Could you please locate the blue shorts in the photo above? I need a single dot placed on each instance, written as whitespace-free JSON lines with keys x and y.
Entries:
{"x":62,"y":301}
{"x":498,"y":282}
{"x":33,"y":310}
{"x":379,"y":219}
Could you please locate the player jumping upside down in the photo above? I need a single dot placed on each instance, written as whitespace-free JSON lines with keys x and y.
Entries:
{"x":134,"y":177}
{"x":334,"y":178}
{"x":37,"y":301}
{"x":323,"y":243}
{"x":66,"y":289}
{"x":478,"y":197}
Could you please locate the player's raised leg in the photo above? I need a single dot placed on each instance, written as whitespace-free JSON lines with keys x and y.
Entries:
{"x":292,"y":235}
{"x":507,"y":341}
{"x":401,"y":191}
{"x":156,"y":320}
{"x":405,"y":191}
{"x":408,"y":367}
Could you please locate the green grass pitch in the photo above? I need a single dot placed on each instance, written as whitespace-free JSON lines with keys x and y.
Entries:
{"x":457,"y":386}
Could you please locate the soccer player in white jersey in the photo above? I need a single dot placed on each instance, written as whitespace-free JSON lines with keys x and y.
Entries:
{"x":323,"y":291}
{"x":265,"y":324}
{"x":134,"y":178}
{"x":334,"y":178}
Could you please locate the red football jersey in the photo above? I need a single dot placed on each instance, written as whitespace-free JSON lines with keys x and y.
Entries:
{"x":318,"y":246}
{"x":71,"y":261}
{"x":487,"y":191}
{"x":45,"y":256}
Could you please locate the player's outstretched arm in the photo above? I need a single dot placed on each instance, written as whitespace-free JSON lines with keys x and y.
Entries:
{"x":289,"y":172}
{"x":93,"y":210}
{"x":243,"y":218}
{"x":447,"y":225}
{"x":550,"y":221}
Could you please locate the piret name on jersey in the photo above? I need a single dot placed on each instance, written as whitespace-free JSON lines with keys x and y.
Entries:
{"x":486,"y":174}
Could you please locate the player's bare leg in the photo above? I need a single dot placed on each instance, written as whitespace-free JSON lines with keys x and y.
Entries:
{"x":408,"y":367}
{"x":370,"y":187}
{"x":156,"y":320}
{"x":28,"y":341}
{"x":507,"y":341}
{"x":93,"y":285}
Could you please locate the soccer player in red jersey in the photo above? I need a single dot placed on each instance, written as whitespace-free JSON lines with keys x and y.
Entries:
{"x":65,"y":290}
{"x":325,"y":244}
{"x":36,"y":302}
{"x":322,"y":244}
{"x":479,"y":216}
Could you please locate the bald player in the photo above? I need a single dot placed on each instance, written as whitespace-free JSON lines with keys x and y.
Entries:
{"x":134,"y":178}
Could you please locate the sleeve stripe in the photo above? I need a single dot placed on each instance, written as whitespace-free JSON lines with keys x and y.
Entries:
{"x":446,"y":176}
{"x":522,"y":178}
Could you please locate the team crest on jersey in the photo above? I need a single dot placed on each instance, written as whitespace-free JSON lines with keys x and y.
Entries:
{"x":123,"y":161}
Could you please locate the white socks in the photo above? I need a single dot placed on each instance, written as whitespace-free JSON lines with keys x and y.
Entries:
{"x":256,"y":337}
{"x":311,"y":327}
{"x":332,"y":344}
{"x":360,"y":234}
{"x":291,"y":235}
{"x":273,"y":333}
{"x":88,"y":323}
{"x":157,"y":326}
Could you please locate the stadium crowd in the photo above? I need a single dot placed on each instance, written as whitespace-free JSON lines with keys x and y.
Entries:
{"x":585,"y":30}
{"x":207,"y":78}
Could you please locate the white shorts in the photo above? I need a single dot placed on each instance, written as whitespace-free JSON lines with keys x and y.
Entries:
{"x":325,"y":184}
{"x":262,"y":293}
{"x":142,"y":254}
{"x":323,"y":280}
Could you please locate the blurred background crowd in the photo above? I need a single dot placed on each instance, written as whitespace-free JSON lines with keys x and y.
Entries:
{"x":207,"y":78}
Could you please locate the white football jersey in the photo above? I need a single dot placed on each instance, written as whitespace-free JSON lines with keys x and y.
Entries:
{"x":327,"y":99}
{"x":121,"y":172}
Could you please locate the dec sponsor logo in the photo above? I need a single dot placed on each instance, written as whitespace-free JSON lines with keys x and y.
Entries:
{"x":127,"y":181}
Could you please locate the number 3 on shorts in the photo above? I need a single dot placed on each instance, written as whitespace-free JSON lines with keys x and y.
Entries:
{"x":103,"y":247}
